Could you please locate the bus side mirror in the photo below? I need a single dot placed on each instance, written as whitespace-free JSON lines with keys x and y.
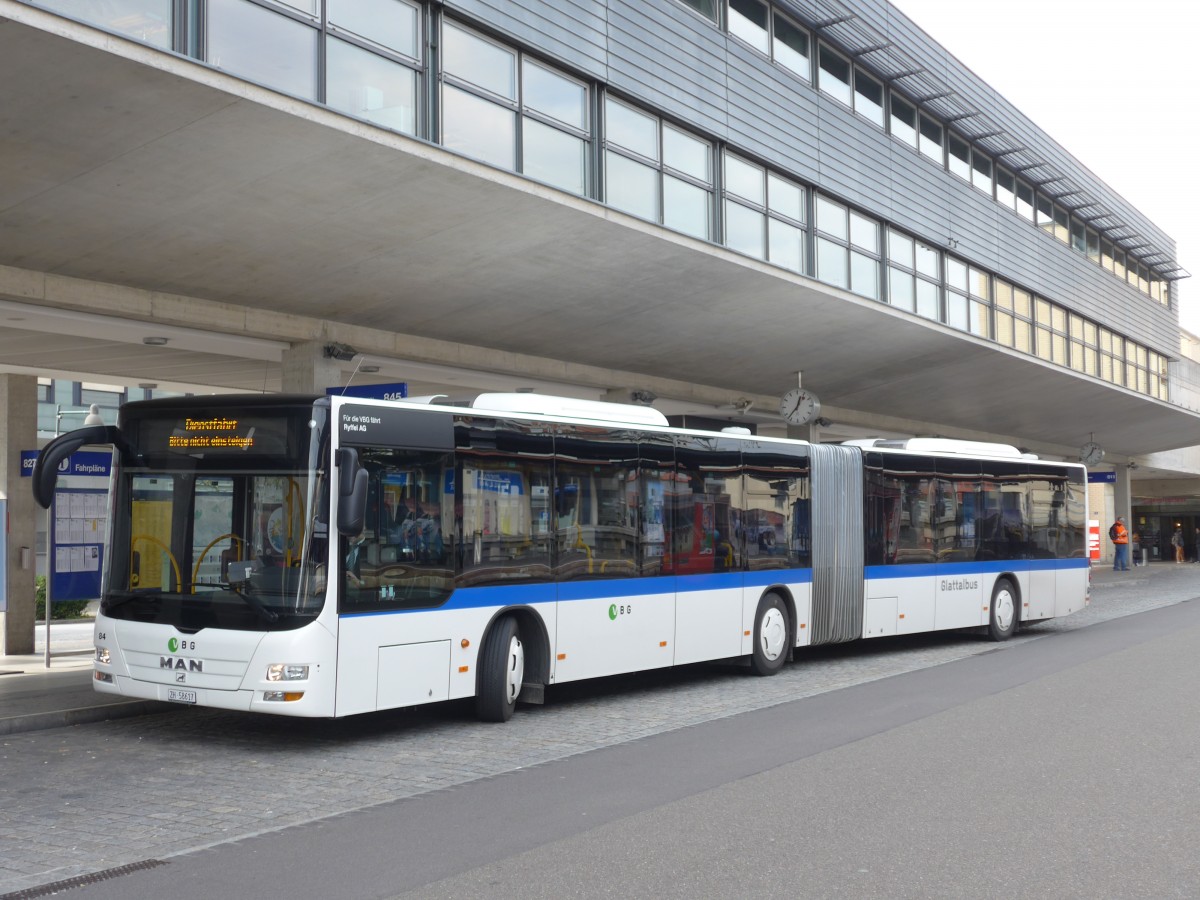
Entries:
{"x":45,"y":469}
{"x":352,"y":493}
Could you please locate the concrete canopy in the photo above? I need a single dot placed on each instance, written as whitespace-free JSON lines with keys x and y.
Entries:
{"x":129,"y":167}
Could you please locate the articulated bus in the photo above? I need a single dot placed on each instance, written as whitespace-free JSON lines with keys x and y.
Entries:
{"x":324,"y":556}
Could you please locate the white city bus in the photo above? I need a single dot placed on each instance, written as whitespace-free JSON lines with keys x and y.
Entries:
{"x":324,"y":556}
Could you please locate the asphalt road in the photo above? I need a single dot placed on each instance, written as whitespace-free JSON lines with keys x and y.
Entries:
{"x":1063,"y":765}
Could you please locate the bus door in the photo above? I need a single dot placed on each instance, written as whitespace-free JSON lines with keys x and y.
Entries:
{"x":708,"y":562}
{"x":1047,"y":524}
{"x":962,"y":581}
{"x":616,"y":603}
{"x":900,"y":562}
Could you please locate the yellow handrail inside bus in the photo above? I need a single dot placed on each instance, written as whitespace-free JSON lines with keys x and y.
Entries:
{"x":196,"y":571}
{"x":580,"y":545}
{"x":166,"y":549}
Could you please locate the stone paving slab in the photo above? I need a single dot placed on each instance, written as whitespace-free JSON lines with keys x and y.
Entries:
{"x":87,"y":798}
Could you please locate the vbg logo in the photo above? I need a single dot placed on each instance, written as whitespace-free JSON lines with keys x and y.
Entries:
{"x":623,"y":610}
{"x":173,"y":644}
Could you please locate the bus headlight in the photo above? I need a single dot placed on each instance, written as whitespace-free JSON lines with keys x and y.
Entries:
{"x":286,"y":672}
{"x":102,"y":655}
{"x":282,"y":696}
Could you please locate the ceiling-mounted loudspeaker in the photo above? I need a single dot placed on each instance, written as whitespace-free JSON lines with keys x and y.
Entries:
{"x":343,"y":352}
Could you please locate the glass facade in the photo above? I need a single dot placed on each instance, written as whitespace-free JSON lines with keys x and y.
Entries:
{"x":493,"y":101}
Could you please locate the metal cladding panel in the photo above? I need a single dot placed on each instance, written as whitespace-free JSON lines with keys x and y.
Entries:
{"x":773,"y":114}
{"x":677,"y":62}
{"x":672,"y":58}
{"x":837,"y":528}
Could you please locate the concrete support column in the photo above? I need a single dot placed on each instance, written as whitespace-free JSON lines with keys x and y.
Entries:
{"x":1123,"y":496}
{"x":18,"y":605}
{"x":810,"y":432}
{"x":306,"y":369}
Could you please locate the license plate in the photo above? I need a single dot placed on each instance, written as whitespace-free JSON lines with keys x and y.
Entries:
{"x":177,"y":696}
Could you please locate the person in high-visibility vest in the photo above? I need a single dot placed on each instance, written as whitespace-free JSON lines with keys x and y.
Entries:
{"x":1120,"y":538}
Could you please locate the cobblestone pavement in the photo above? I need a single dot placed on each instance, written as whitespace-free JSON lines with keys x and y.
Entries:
{"x":83,"y":799}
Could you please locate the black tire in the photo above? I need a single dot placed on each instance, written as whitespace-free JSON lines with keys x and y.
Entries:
{"x":501,"y":671}
{"x":772,"y":633}
{"x":1002,"y":620}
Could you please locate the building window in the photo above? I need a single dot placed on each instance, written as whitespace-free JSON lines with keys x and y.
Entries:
{"x":372,"y":57}
{"x":833,"y":75}
{"x":764,"y":214}
{"x":847,"y":248}
{"x":1045,"y":214}
{"x":1006,"y":188}
{"x":789,"y":46}
{"x":958,"y":307}
{"x":479,"y":97}
{"x":262,"y":46}
{"x":981,"y":172}
{"x":484,"y":104}
{"x":636,"y":171}
{"x":1062,"y":224}
{"x":864,"y":256}
{"x":554,"y":128}
{"x":748,"y":22}
{"x":958,"y":158}
{"x":930,"y":140}
{"x":914,"y":275}
{"x":833,"y":238}
{"x":903,"y":121}
{"x":868,"y":97}
{"x":1025,"y":201}
{"x":706,"y":8}
{"x":149,"y":21}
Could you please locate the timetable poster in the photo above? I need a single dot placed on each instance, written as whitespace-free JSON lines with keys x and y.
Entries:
{"x":80,"y":519}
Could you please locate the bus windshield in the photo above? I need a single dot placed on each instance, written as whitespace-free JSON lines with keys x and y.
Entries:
{"x":218,"y":522}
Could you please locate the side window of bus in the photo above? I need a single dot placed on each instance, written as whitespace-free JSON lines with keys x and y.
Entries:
{"x":772,"y":523}
{"x":1076,"y":514}
{"x":956,"y":509}
{"x":402,"y":559}
{"x":1002,"y":530}
{"x":1050,"y":533}
{"x":595,"y":506}
{"x":709,"y":476}
{"x":502,"y":504}
{"x":900,"y":507}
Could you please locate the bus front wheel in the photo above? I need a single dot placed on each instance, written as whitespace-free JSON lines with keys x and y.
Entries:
{"x":1002,"y":621}
{"x":771,"y":630}
{"x":501,"y":672}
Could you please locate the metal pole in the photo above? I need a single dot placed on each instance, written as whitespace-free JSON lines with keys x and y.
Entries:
{"x":49,"y":573}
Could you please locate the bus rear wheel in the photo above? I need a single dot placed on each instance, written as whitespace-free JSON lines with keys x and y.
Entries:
{"x":771,"y":631}
{"x":501,"y":672}
{"x":1002,"y":621}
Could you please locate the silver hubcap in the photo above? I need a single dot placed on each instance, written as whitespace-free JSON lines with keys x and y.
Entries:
{"x":1004,"y":610}
{"x":772,"y":634}
{"x":515,"y":674}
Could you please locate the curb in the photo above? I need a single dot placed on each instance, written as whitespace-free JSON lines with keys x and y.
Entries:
{"x":81,"y":716}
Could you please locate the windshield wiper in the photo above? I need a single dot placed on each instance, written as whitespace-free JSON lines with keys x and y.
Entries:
{"x":252,"y":601}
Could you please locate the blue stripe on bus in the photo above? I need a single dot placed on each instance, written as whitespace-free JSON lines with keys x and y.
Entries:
{"x":974,"y":567}
{"x":532,"y":593}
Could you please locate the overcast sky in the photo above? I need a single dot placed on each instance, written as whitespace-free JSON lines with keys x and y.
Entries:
{"x":1116,"y":84}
